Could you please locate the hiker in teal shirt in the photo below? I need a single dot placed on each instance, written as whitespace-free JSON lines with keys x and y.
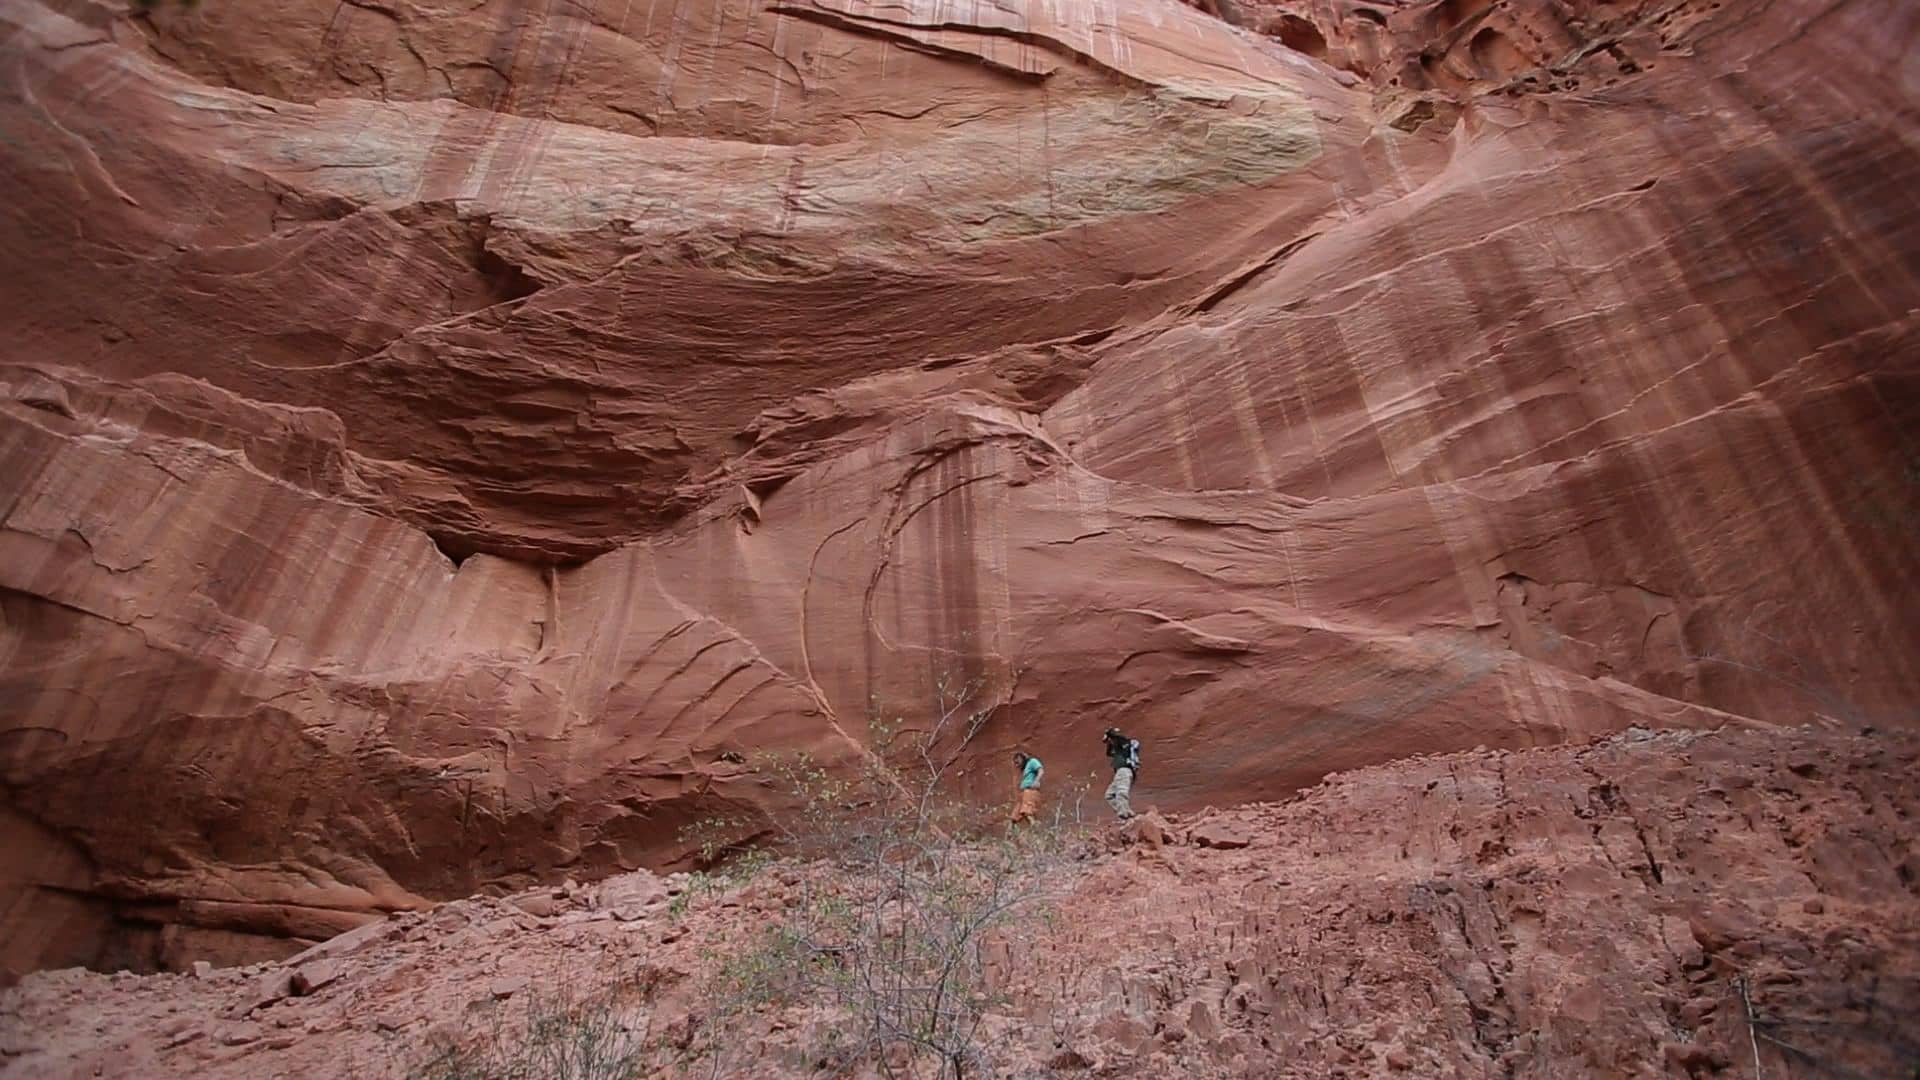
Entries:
{"x":1029,"y":802}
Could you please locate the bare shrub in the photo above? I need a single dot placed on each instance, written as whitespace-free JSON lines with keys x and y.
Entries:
{"x":893,"y":892}
{"x":559,"y":1039}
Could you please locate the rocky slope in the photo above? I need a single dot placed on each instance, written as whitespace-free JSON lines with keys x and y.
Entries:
{"x":1597,"y":910}
{"x":438,"y":442}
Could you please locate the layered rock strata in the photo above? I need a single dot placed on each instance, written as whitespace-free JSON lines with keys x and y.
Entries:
{"x":441,"y":447}
{"x":1678,"y":904}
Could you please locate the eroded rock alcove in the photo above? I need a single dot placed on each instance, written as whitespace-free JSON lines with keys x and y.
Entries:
{"x":438,"y":443}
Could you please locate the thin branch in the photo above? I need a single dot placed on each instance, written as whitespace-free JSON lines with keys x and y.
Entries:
{"x":1741,"y":981}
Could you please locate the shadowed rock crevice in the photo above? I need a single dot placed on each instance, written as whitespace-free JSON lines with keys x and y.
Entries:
{"x":505,"y":282}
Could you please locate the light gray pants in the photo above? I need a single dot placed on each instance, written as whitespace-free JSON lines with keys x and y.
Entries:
{"x":1118,"y":791}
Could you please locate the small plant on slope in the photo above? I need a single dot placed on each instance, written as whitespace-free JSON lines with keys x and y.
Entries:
{"x":561,"y":1039}
{"x":888,"y":927}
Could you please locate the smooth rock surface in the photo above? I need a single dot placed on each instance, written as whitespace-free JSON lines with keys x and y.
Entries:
{"x":440,"y":447}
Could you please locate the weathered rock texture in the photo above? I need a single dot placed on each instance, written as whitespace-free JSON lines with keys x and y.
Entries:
{"x":440,"y":442}
{"x":1560,"y":912}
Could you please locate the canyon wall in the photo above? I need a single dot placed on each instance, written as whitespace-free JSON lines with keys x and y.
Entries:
{"x":440,"y":445}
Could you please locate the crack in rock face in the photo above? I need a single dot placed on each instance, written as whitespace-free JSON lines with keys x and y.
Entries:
{"x":446,"y":450}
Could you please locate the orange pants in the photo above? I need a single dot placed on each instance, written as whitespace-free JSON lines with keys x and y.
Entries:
{"x":1028,"y":806}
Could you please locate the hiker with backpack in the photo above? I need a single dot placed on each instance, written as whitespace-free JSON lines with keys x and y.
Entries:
{"x":1123,"y":754}
{"x":1029,"y":799}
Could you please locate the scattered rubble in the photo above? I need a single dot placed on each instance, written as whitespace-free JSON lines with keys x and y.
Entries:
{"x":1591,"y":910}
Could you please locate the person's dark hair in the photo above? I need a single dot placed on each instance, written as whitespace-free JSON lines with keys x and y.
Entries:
{"x":1021,"y":756}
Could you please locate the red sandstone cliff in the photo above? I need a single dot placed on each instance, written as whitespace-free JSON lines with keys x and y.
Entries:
{"x":436,"y":443}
